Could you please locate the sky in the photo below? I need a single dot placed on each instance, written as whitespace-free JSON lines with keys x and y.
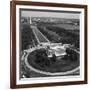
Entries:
{"x":66,"y":15}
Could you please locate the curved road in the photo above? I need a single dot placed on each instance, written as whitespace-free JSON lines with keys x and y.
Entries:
{"x":24,"y":57}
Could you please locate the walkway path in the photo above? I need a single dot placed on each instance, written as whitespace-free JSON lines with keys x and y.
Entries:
{"x":39,"y":36}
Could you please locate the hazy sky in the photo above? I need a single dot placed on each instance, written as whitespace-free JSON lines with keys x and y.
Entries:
{"x":50,"y":14}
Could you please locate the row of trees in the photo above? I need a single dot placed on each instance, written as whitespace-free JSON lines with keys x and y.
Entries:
{"x":27,"y":37}
{"x":57,"y":34}
{"x":51,"y":35}
{"x":70,"y":55}
{"x":67,"y":36}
